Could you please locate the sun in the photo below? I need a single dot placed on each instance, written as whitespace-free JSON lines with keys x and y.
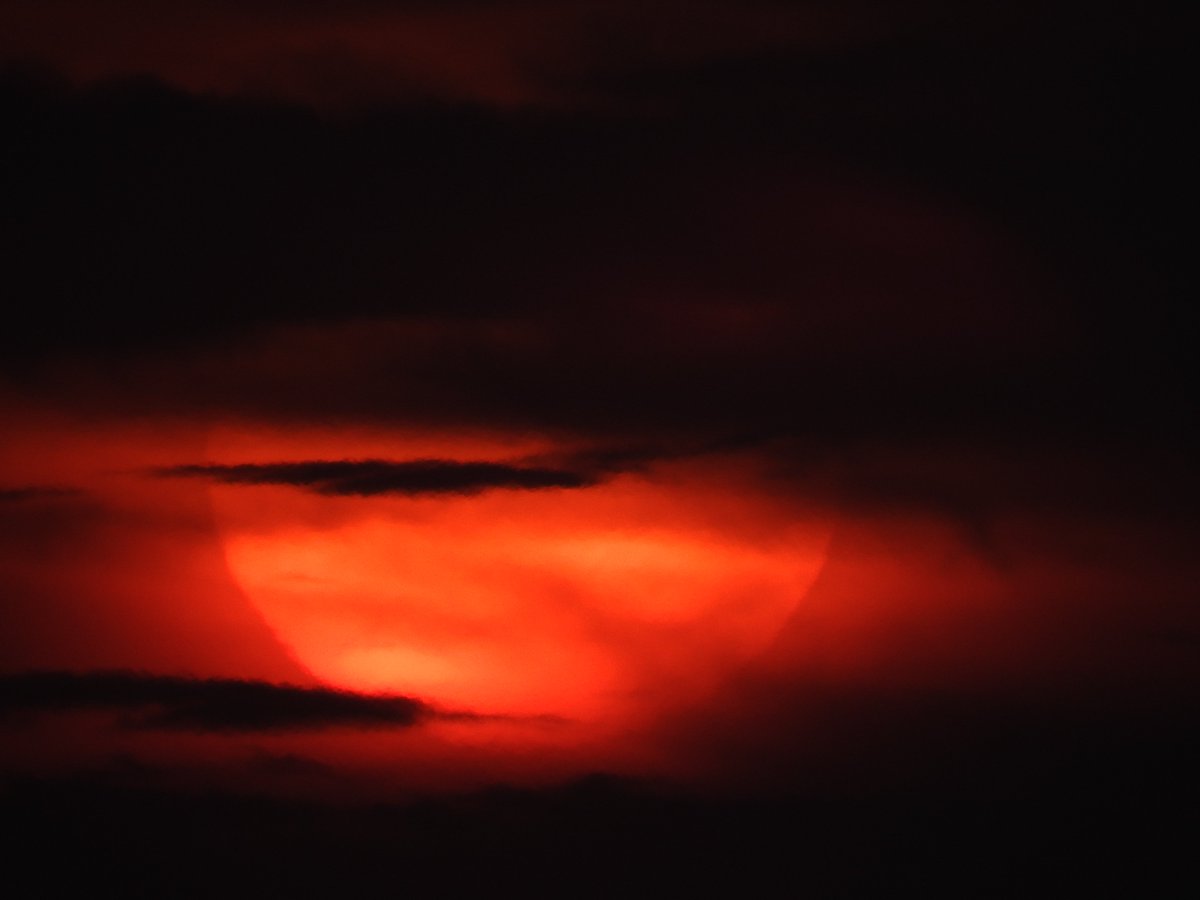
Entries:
{"x":591,"y":603}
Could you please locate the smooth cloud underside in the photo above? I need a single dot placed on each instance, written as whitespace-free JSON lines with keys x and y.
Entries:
{"x":163,"y":702}
{"x":371,"y":477}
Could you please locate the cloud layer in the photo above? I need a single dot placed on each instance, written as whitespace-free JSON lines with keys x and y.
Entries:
{"x":926,"y":266}
{"x":371,"y":477}
{"x":35,"y":492}
{"x":203,"y":704}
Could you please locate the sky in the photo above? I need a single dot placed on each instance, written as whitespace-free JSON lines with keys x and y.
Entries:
{"x":541,"y":438}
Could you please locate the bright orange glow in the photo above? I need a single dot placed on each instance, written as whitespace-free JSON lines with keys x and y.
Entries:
{"x":592,"y":603}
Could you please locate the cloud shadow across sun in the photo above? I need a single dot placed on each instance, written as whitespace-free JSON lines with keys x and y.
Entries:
{"x":370,"y":477}
{"x":224,"y":705}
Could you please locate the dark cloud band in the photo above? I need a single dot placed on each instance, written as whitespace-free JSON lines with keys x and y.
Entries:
{"x":209,"y":704}
{"x":371,"y":477}
{"x":35,"y":492}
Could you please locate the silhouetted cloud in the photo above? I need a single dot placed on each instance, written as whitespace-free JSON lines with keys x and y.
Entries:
{"x":288,"y":764}
{"x":204,"y":704}
{"x":1052,"y":820}
{"x":684,"y":269}
{"x":35,"y":492}
{"x":369,"y":477}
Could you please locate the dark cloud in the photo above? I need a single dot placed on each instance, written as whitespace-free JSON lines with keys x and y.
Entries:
{"x":36,"y":492}
{"x":914,"y":238}
{"x":1054,"y":821}
{"x":977,"y":484}
{"x":289,"y":765}
{"x":370,"y":477}
{"x":529,"y":52}
{"x":209,"y":704}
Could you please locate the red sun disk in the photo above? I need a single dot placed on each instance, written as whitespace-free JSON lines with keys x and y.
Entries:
{"x":591,"y":603}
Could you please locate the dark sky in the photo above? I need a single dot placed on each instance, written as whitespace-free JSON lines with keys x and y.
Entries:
{"x":918,"y":272}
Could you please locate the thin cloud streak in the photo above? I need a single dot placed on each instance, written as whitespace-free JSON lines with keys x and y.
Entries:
{"x":223,"y":705}
{"x":372,"y":477}
{"x":36,"y":492}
